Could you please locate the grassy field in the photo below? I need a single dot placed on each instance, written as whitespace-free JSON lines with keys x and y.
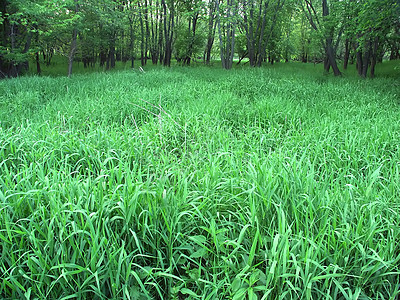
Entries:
{"x":271,"y":183}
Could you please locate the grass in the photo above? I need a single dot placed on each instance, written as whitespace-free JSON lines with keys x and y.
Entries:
{"x":200,"y":183}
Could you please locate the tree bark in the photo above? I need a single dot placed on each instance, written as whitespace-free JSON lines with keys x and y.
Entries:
{"x":346,"y":54}
{"x":260,"y":57}
{"x":330,"y":53}
{"x":38,"y":69}
{"x":168,"y":32}
{"x":211,"y":31}
{"x":146,"y":20}
{"x":366,"y":58}
{"x":142,"y":41}
{"x":131,"y":42}
{"x":227,"y":49}
{"x":374,"y":57}
{"x":192,"y":28}
{"x":264,"y":42}
{"x":72,"y":51}
{"x":221,"y":44}
{"x":249,"y":31}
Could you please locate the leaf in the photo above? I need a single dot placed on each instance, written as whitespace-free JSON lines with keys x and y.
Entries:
{"x":186,"y":291}
{"x":240,"y":294}
{"x":27,"y":294}
{"x":253,"y":248}
{"x":198,"y":239}
{"x":236,"y":284}
{"x":374,"y":177}
{"x":199,"y":253}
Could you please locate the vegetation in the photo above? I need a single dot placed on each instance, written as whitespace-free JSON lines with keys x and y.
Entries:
{"x":262,"y":183}
{"x":361,"y":32}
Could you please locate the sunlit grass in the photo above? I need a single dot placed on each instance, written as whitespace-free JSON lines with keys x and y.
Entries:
{"x":200,"y":183}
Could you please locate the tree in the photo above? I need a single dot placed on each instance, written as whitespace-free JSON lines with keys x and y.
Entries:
{"x":325,"y":24}
{"x":169,"y":26}
{"x":227,"y":21}
{"x":375,"y":20}
{"x":19,"y":21}
{"x":211,"y":27}
{"x":189,"y":40}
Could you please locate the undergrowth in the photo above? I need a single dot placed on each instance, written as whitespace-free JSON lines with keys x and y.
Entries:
{"x":200,"y":183}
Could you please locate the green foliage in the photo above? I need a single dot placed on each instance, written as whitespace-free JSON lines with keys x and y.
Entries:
{"x":198,"y":183}
{"x":188,"y":45}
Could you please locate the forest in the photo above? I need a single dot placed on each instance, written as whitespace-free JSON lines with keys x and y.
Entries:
{"x":334,"y":32}
{"x":221,"y":149}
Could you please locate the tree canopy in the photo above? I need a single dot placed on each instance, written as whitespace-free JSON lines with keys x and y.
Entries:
{"x":335,"y":32}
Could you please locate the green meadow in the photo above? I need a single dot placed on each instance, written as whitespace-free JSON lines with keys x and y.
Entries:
{"x":199,"y":183}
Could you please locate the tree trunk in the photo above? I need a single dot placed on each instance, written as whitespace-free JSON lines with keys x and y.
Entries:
{"x":327,"y":65}
{"x":112,"y":57}
{"x":374,"y":57}
{"x":249,"y":31}
{"x":142,"y":41}
{"x":263,"y":52}
{"x":221,"y":44}
{"x":366,"y":60}
{"x":38,"y":70}
{"x":131,"y":43}
{"x":211,"y":31}
{"x":359,"y":62}
{"x":331,"y":57}
{"x":394,"y":52}
{"x":146,"y":20}
{"x":346,"y":54}
{"x":72,"y":52}
{"x":103,"y":57}
{"x":192,"y":40}
{"x":260,"y":55}
{"x":330,"y":53}
{"x":168,"y":33}
{"x":227,"y":49}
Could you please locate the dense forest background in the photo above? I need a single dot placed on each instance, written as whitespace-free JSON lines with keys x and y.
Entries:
{"x":333,"y":32}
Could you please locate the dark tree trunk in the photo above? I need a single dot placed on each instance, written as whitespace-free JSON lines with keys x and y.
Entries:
{"x":394,"y":53}
{"x":227,"y":50}
{"x":249,"y":30}
{"x":327,"y":65}
{"x":103,"y":57}
{"x":168,"y":33}
{"x":331,"y":57}
{"x":359,"y":62}
{"x":304,"y":57}
{"x":211,"y":31}
{"x":263,"y":42}
{"x":131,"y":43}
{"x":161,"y":39}
{"x":111,"y":51}
{"x":72,"y":52}
{"x":260,"y":55}
{"x":112,"y":57}
{"x":346,"y":54}
{"x":330,"y":53}
{"x":142,"y":41}
{"x":242,"y":57}
{"x":146,"y":20}
{"x":366,"y":60}
{"x":192,"y":40}
{"x":47,"y":56}
{"x":374,"y":57}
{"x":38,"y":69}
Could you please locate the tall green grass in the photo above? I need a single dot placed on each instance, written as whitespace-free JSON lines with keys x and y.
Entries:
{"x":200,"y":183}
